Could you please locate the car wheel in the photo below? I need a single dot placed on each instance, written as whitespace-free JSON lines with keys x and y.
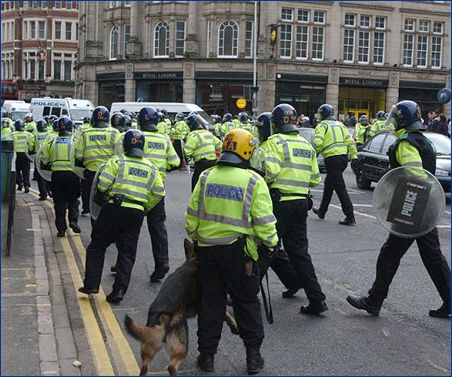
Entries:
{"x":361,"y":181}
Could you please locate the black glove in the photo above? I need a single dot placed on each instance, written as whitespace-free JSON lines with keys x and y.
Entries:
{"x":79,"y":164}
{"x":355,"y":164}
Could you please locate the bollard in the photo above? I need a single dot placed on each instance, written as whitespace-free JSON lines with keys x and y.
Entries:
{"x":7,"y":160}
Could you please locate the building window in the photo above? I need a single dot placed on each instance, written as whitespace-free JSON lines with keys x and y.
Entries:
{"x":249,"y":39}
{"x":126,"y":36}
{"x":228,"y":39}
{"x":114,"y":43}
{"x":423,"y":26}
{"x":408,"y":41}
{"x":365,"y":21}
{"x":422,"y":51}
{"x":286,"y":14}
{"x":161,"y":40}
{"x":379,"y":47}
{"x":349,"y":45}
{"x":349,"y":20}
{"x":41,"y":30}
{"x":68,"y":5}
{"x":438,"y":28}
{"x":57,"y":66}
{"x":380,"y":22}
{"x":436,"y":51}
{"x":363,"y":47}
{"x":209,"y":37}
{"x":319,"y":17}
{"x":32,"y":30}
{"x":285,"y":43}
{"x":35,"y":4}
{"x":57,"y":29}
{"x":303,"y":15}
{"x":67,"y":67}
{"x":57,"y":4}
{"x":408,"y":25}
{"x":63,"y":64}
{"x":301,"y":46}
{"x":180,"y":38}
{"x":318,"y":42}
{"x":68,"y":26}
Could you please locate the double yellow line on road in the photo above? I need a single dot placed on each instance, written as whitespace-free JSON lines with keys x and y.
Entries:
{"x":116,"y":341}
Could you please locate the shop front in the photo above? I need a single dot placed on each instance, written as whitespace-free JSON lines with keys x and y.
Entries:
{"x":111,"y":88}
{"x":218,"y":92}
{"x":424,"y":93}
{"x":361,"y":96}
{"x":306,"y":93}
{"x":159,"y":86}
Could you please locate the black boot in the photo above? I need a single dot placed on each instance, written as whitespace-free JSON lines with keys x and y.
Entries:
{"x":364,"y":303}
{"x":290,"y":292}
{"x":442,"y":312}
{"x":314,"y":308}
{"x":205,"y":362}
{"x":88,"y":291}
{"x":159,"y":273}
{"x":75,"y":228}
{"x":319,"y":214}
{"x":254,"y":360}
{"x":116,"y":296}
{"x":348,"y":221}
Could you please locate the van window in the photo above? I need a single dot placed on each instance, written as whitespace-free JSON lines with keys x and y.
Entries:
{"x":46,"y":111}
{"x":65,"y":112}
{"x":56,"y":111}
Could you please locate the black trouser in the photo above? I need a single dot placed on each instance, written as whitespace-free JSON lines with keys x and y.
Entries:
{"x":392,"y":252}
{"x":285,"y":271}
{"x":200,"y":166}
{"x":86,"y":188}
{"x":114,"y":224}
{"x":43,"y":185}
{"x":177,"y":144}
{"x":222,"y":271}
{"x":159,"y":235}
{"x":291,"y":226}
{"x":66,"y":191}
{"x":22,"y":170}
{"x":334,"y":181}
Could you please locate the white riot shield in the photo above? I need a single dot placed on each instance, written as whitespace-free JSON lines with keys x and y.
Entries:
{"x":119,"y":146}
{"x":95,"y":200}
{"x":257,"y":160}
{"x":408,"y":201}
{"x":44,"y":173}
{"x":76,"y":169}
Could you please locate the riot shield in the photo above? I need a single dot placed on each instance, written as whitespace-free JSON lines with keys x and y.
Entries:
{"x":119,"y":146}
{"x":95,"y":198}
{"x":257,"y":160}
{"x":44,"y":173}
{"x":408,"y":201}
{"x":76,"y":169}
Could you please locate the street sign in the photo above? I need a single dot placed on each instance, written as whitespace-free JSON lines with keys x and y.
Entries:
{"x":241,"y":103}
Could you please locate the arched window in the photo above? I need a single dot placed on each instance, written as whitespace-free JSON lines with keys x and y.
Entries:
{"x":161,"y":39}
{"x":228,"y":39}
{"x":114,"y":43}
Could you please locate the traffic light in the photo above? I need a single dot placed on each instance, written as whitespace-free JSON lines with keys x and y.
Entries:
{"x":273,"y":34}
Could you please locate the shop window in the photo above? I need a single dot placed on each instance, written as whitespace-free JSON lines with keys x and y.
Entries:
{"x":422,"y":51}
{"x":301,"y":46}
{"x":363,"y":47}
{"x":318,"y":43}
{"x":228,"y":39}
{"x":249,"y":39}
{"x":303,"y":15}
{"x":436,"y":51}
{"x":408,"y":44}
{"x":285,"y":41}
{"x":114,"y":43}
{"x":161,"y":40}
{"x":349,"y":45}
{"x":180,"y":38}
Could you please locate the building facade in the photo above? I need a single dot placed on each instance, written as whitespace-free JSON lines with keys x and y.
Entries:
{"x":40,"y":46}
{"x":358,"y":56}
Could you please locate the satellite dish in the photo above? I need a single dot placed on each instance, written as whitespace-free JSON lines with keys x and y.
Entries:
{"x":443,"y":95}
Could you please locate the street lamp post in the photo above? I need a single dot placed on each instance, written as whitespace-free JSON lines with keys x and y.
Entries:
{"x":255,"y":88}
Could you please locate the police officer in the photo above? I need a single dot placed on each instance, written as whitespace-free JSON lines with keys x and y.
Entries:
{"x":201,"y":146}
{"x":118,"y":121}
{"x":56,"y":156}
{"x":52,"y":121}
{"x":378,"y":125}
{"x":180,"y":132}
{"x":162,"y":125}
{"x":229,"y":208}
{"x":22,"y":146}
{"x":7,"y":126}
{"x":411,"y":148}
{"x":246,"y":124}
{"x":290,"y":169}
{"x":159,"y":150}
{"x":37,"y":140}
{"x":227,"y":125}
{"x":30,"y":125}
{"x":216,"y":123}
{"x":334,"y":142}
{"x":131,"y":185}
{"x":362,"y":130}
{"x":94,"y":147}
{"x":86,"y":123}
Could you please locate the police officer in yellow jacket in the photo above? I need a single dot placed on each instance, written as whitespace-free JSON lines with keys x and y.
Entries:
{"x":94,"y":147}
{"x":179,"y":133}
{"x":56,"y":156}
{"x":201,"y":146}
{"x":378,"y":125}
{"x":362,"y":129}
{"x":411,"y":148}
{"x":159,"y":150}
{"x":229,"y":211}
{"x":335,"y":143}
{"x":30,"y":125}
{"x":22,"y":146}
{"x":290,"y":169}
{"x":38,"y":139}
{"x":7,"y":126}
{"x":130,"y":186}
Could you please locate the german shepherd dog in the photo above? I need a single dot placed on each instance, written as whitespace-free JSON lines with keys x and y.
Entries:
{"x":177,"y":300}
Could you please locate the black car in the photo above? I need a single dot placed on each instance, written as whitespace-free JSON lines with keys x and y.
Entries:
{"x":308,"y":134}
{"x":374,"y":161}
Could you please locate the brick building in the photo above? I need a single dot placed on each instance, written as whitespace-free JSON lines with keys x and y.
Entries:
{"x":40,"y":46}
{"x":358,"y":56}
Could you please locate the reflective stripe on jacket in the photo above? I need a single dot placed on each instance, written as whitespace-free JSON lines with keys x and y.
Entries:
{"x":160,"y":151}
{"x":22,"y":141}
{"x":57,"y":153}
{"x":201,"y":144}
{"x":332,"y":139}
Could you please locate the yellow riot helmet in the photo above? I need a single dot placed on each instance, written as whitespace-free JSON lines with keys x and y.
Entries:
{"x":238,"y":146}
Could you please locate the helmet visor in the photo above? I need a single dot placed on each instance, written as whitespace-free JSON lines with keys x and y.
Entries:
{"x":392,"y":121}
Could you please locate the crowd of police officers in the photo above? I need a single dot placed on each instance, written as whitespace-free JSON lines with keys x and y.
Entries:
{"x":247,"y":211}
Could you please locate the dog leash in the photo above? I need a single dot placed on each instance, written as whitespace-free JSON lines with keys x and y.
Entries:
{"x":267,"y":303}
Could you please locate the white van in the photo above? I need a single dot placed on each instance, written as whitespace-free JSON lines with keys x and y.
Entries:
{"x":172,"y":107}
{"x":16,"y":109}
{"x":76,"y":109}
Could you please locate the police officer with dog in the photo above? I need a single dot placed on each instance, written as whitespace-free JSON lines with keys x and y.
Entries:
{"x":130,"y":186}
{"x":230,"y":211}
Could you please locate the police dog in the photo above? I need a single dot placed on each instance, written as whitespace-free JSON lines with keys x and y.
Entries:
{"x":177,"y":300}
